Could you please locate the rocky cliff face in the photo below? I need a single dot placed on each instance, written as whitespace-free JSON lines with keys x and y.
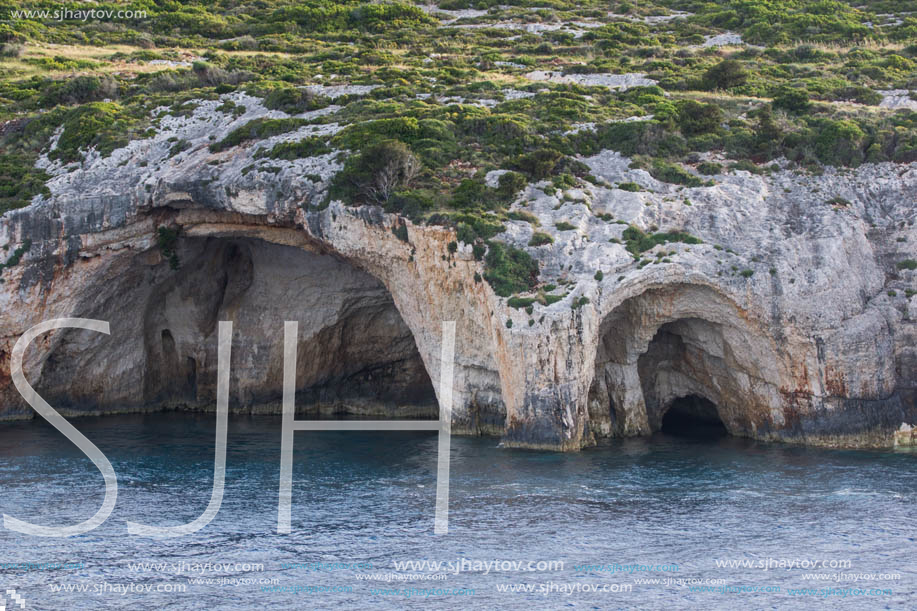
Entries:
{"x":793,"y":316}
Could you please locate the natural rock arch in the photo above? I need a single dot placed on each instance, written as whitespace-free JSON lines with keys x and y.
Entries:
{"x":678,"y":340}
{"x":356,"y":354}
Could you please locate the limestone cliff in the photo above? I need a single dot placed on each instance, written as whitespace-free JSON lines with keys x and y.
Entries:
{"x":793,"y":315}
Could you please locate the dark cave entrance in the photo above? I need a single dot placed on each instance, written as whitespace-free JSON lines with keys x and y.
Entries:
{"x":682,"y":366}
{"x":356,"y":355}
{"x":662,"y":349}
{"x":693,"y":416}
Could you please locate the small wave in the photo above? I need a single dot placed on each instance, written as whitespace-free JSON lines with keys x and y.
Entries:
{"x":853,"y":492}
{"x":749,"y":493}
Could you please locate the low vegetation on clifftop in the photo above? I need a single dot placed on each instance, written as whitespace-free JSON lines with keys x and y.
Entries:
{"x":448,"y":112}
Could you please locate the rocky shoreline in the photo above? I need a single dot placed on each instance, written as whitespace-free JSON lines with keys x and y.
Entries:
{"x":790,"y":311}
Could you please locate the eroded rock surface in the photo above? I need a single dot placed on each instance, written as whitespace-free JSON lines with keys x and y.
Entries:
{"x":162,"y":350}
{"x":793,"y":316}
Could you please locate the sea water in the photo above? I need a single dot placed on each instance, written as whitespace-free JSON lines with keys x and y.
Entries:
{"x":664,"y":522}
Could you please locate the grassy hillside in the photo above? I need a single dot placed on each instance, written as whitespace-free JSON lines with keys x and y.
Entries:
{"x":462,"y":88}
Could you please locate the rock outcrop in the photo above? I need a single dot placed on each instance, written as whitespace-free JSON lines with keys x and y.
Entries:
{"x":906,"y":435}
{"x":793,"y":316}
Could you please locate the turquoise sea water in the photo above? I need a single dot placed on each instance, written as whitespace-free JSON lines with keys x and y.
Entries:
{"x":364,"y":501}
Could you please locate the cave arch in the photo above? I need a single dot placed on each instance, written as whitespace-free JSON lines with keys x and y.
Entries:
{"x":356,"y":354}
{"x":673,"y":341}
{"x":692,"y":416}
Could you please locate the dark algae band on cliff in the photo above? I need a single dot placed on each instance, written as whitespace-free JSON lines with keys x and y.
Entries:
{"x":639,"y":275}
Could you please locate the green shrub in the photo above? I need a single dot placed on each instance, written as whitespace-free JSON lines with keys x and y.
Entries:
{"x":231,"y":108}
{"x":709,"y":168}
{"x":20,"y":181}
{"x":11,"y":49}
{"x":792,"y":100}
{"x":510,"y":183}
{"x":209,"y":75}
{"x":747,"y":166}
{"x":504,"y":131}
{"x":337,"y":17}
{"x":910,"y":264}
{"x":472,"y":193}
{"x":257,"y":129}
{"x":629,"y":186}
{"x":523,"y":215}
{"x":857,"y":93}
{"x":179,"y":146}
{"x":564,"y":226}
{"x":473,"y":226}
{"x":727,"y":74}
{"x":294,"y":100}
{"x":636,"y":241}
{"x":103,"y":125}
{"x":167,"y":240}
{"x":509,"y":270}
{"x":695,"y":118}
{"x":14,"y":258}
{"x":356,"y":135}
{"x":412,"y":203}
{"x":376,"y":173}
{"x":539,"y":238}
{"x":564,"y":181}
{"x":839,"y":142}
{"x":61,"y":63}
{"x":539,"y":164}
{"x":520,"y":302}
{"x":669,"y":172}
{"x":785,"y":22}
{"x":629,"y":138}
{"x":300,"y":149}
{"x":298,"y":41}
{"x":79,"y":90}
